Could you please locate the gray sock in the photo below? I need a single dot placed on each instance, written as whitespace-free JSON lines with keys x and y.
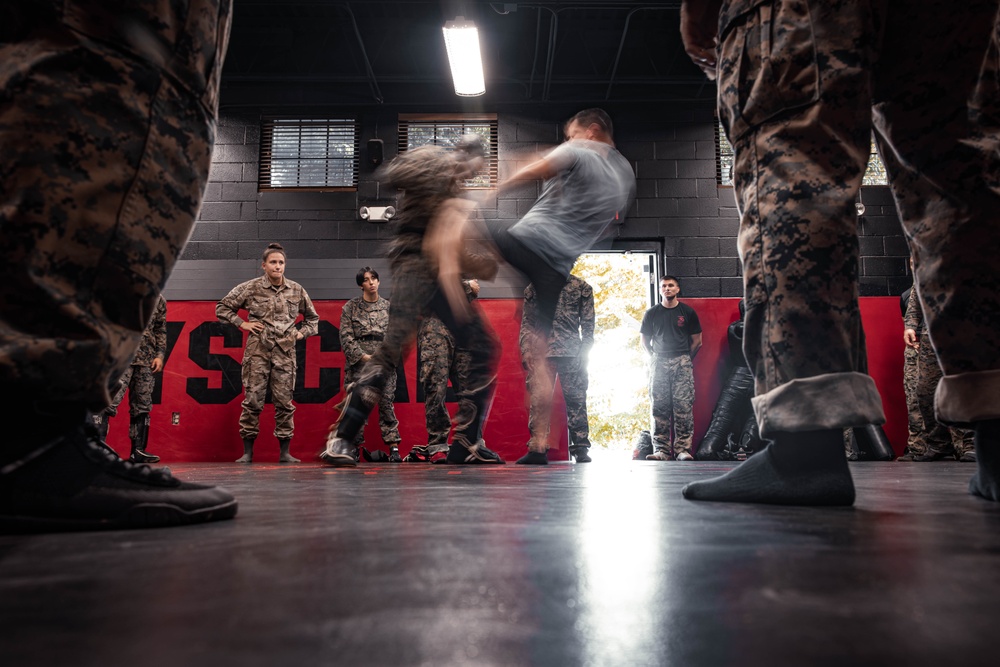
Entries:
{"x":806,"y":468}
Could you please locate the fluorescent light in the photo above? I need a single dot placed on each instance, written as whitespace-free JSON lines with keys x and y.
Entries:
{"x":461,"y":38}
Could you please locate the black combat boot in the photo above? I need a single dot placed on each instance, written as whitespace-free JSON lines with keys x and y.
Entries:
{"x":57,"y":475}
{"x":284,"y":456}
{"x":138,"y":431}
{"x":247,"y":451}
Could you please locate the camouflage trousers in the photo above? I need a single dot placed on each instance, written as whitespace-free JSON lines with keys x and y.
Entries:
{"x":915,"y":443}
{"x":802,"y":84}
{"x":265,"y":369}
{"x":671,"y":393}
{"x":387,"y":421}
{"x":439,"y":362}
{"x":936,"y":437}
{"x":139,"y":382}
{"x":415,"y":294}
{"x":573,"y":379}
{"x":100,"y":190}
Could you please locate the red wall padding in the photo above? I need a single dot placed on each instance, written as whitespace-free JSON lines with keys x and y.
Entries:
{"x":205,"y":399}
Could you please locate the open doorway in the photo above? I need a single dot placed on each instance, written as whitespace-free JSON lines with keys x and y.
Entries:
{"x":625,"y":286}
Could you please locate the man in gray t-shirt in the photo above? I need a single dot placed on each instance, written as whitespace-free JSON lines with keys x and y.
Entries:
{"x":588,"y":186}
{"x":591,"y":187}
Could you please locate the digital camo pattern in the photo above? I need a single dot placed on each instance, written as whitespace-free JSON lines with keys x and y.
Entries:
{"x":800,"y":84}
{"x":570,"y":339}
{"x":926,"y":375}
{"x":362,"y":329}
{"x":416,"y":296}
{"x":99,"y":193}
{"x":671,"y":392}
{"x":153,"y":344}
{"x":277,"y":307}
{"x":269,"y":357}
{"x":573,"y":322}
{"x":264,"y":368}
{"x":915,"y":442}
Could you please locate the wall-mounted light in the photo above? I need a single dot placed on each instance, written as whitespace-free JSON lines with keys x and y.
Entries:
{"x":461,"y":38}
{"x":377,"y":213}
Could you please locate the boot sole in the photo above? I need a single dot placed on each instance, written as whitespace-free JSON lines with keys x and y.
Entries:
{"x":339,"y":460}
{"x":148,"y":515}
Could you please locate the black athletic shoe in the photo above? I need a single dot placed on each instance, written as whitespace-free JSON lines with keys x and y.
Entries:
{"x":75,"y":482}
{"x":394,"y":456}
{"x":581,"y":454}
{"x":476,"y":454}
{"x":340,"y":453}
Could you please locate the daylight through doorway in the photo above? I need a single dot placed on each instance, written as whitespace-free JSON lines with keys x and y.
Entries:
{"x":617,"y":400}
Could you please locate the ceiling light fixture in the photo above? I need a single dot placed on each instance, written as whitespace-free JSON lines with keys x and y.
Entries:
{"x":461,"y":38}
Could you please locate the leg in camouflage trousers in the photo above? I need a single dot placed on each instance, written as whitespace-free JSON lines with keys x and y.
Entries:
{"x":671,"y":393}
{"x":801,"y":85}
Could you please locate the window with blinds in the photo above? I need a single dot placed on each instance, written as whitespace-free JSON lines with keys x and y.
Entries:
{"x":308,"y":154}
{"x":446,"y":130}
{"x":724,"y":156}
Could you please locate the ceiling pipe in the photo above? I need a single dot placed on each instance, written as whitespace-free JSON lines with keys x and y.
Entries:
{"x":621,"y":45}
{"x":364,"y":54}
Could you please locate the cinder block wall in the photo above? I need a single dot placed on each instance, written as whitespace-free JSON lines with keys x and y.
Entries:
{"x":679,"y":211}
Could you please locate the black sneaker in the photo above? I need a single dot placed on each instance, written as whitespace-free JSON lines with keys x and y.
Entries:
{"x":476,"y":454}
{"x":74,"y":482}
{"x":581,"y":454}
{"x":394,"y":456}
{"x":340,"y":453}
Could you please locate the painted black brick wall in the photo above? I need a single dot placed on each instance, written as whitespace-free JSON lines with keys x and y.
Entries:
{"x":679,"y":208}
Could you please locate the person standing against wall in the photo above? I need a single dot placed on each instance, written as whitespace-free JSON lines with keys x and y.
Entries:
{"x":138,"y":380}
{"x":273,"y":304}
{"x":363,"y":322}
{"x":671,"y":334}
{"x":569,"y":343}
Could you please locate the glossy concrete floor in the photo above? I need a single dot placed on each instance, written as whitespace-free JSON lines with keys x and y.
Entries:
{"x":597,"y":564}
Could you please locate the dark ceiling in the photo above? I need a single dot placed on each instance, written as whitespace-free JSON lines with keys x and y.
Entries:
{"x":370,"y":52}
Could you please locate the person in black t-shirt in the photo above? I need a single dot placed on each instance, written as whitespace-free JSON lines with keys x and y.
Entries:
{"x":671,"y":333}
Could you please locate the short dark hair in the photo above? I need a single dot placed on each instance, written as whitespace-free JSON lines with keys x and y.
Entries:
{"x":594,"y":116}
{"x":361,"y":274}
{"x":674,"y":278}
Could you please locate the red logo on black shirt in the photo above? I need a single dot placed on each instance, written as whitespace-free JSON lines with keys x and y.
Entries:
{"x":680,"y":320}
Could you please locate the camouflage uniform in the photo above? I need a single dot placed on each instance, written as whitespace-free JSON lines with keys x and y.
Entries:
{"x":800,"y":82}
{"x":915,"y":444}
{"x":571,"y":338}
{"x":138,"y":378}
{"x":439,"y":362}
{"x":94,"y":214}
{"x":362,"y":330}
{"x":269,"y":357}
{"x":935,"y":438}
